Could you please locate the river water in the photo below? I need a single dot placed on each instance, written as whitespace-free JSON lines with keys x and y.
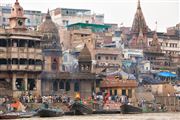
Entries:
{"x":144,"y":116}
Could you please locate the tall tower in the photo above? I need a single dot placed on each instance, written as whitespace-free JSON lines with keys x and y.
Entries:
{"x":139,"y":27}
{"x":84,"y":60}
{"x":17,"y":19}
{"x":51,"y":45}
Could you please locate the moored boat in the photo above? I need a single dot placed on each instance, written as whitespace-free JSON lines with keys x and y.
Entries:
{"x":9,"y":116}
{"x":80,"y":109}
{"x":27,"y":114}
{"x":46,"y":112}
{"x":129,"y":109}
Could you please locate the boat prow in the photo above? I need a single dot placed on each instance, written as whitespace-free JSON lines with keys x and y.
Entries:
{"x":129,"y":109}
{"x":80,"y":109}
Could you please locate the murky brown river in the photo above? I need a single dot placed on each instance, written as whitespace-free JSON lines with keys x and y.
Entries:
{"x":145,"y":116}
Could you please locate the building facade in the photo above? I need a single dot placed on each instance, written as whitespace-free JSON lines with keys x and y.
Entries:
{"x":116,"y":86}
{"x":21,"y":57}
{"x":67,"y":16}
{"x":95,"y":36}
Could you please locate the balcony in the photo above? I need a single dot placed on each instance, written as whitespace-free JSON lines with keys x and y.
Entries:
{"x":39,"y":57}
{"x":3,"y":67}
{"x":3,"y":55}
{"x":22,"y":55}
{"x":14,"y":49}
{"x":14,"y":55}
{"x":31,"y":67}
{"x":38,"y":68}
{"x":31,"y":50}
{"x":23,"y":49}
{"x":23,"y":67}
{"x":38,"y":51}
{"x":14,"y":67}
{"x":3,"y":49}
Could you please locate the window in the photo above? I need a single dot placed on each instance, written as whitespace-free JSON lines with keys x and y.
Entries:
{"x":99,"y":57}
{"x":123,"y":92}
{"x":54,"y":65}
{"x":3,"y":61}
{"x":61,"y":85}
{"x":28,"y":20}
{"x":107,"y":57}
{"x":4,"y":19}
{"x":68,"y":86}
{"x":114,"y":58}
{"x":55,"y":86}
{"x":31,"y":84}
{"x":166,"y":44}
{"x":115,"y":92}
{"x":76,"y":87}
{"x":3,"y":43}
{"x":87,"y":21}
{"x":20,"y":84}
{"x":111,"y":92}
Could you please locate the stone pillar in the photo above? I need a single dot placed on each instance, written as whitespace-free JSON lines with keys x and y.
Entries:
{"x":26,"y":82}
{"x":38,"y":86}
{"x":14,"y":82}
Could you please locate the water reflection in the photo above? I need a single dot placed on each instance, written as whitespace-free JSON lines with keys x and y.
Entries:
{"x":147,"y":116}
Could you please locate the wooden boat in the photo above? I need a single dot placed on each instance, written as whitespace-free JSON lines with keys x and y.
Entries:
{"x":27,"y":114}
{"x":46,"y":112}
{"x":80,"y":109}
{"x":9,"y":116}
{"x":129,"y":109}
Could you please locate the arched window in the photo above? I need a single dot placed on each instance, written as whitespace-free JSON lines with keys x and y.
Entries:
{"x":20,"y":84}
{"x":54,"y":65}
{"x":55,"y":86}
{"x":76,"y":87}
{"x":68,"y":86}
{"x":61,"y":85}
{"x":31,"y":84}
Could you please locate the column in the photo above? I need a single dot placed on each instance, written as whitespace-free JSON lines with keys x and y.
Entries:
{"x":38,"y":86}
{"x":14,"y":82}
{"x":25,"y":82}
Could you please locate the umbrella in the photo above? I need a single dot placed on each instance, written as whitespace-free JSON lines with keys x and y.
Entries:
{"x":167,"y":74}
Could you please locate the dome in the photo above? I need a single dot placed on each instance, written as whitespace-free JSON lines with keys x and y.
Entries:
{"x":17,"y":10}
{"x":50,"y":33}
{"x":48,"y":26}
{"x":85,"y":54}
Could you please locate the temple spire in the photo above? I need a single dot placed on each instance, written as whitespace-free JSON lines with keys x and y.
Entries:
{"x":139,"y":5}
{"x":139,"y":21}
{"x":48,"y":16}
{"x":17,"y":2}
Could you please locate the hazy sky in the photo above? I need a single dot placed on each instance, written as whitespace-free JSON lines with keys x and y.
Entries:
{"x":165,"y":12}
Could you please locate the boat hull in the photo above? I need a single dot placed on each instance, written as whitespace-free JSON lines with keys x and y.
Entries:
{"x":80,"y":109}
{"x":129,"y":109}
{"x":50,"y":113}
{"x":9,"y":116}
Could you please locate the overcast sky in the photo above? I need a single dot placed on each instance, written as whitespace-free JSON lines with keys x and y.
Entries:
{"x":165,"y":12}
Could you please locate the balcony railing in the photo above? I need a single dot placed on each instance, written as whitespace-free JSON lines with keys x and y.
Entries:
{"x":3,"y":67}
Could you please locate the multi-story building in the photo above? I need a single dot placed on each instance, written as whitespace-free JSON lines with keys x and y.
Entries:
{"x":20,"y":56}
{"x":34,"y":18}
{"x":67,"y":16}
{"x":95,"y":36}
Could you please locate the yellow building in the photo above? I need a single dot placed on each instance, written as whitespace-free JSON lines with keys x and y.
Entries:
{"x":119,"y":87}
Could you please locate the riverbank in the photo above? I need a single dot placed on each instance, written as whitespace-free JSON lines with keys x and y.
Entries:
{"x":144,"y":116}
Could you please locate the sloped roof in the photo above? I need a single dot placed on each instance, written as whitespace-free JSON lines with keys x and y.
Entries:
{"x":85,"y":54}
